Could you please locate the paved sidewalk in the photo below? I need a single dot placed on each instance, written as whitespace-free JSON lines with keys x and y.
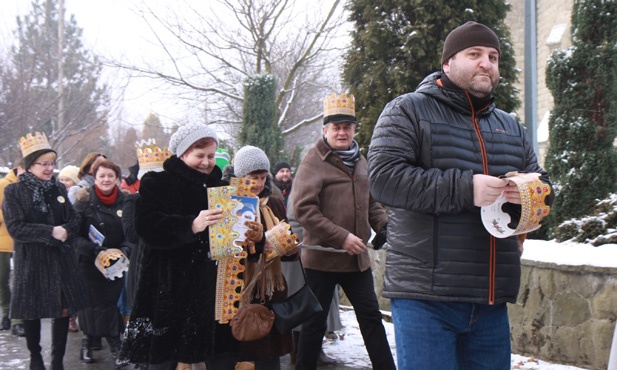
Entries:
{"x":15,"y":356}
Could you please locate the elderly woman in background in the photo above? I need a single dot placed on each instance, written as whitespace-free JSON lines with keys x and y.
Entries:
{"x":101,"y":208}
{"x":69,"y":177}
{"x":42,"y":222}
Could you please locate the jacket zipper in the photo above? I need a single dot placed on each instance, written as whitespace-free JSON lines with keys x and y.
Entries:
{"x":492,"y":240}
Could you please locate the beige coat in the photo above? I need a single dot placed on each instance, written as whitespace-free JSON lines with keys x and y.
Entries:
{"x":329,"y":203}
{"x":6,"y":242}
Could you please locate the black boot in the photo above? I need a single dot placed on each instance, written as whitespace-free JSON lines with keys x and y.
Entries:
{"x":96,"y":343}
{"x":33,"y":342}
{"x":59,"y":333}
{"x":85,"y":353}
{"x":114,"y":347}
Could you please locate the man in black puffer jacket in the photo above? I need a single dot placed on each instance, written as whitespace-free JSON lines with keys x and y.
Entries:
{"x":434,"y":160}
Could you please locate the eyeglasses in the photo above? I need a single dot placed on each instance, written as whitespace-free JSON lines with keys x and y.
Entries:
{"x":46,"y":164}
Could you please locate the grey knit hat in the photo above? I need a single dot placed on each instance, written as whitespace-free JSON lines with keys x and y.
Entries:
{"x":468,"y":35}
{"x":187,"y":135}
{"x":250,"y":159}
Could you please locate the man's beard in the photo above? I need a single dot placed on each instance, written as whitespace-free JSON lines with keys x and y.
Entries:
{"x":283,"y":182}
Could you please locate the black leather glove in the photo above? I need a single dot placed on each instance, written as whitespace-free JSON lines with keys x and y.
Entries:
{"x":380,"y":238}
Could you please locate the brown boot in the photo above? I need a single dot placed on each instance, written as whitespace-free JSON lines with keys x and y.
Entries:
{"x":245,"y":366}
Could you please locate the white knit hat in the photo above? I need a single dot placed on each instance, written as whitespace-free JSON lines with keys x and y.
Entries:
{"x":250,"y":159}
{"x":187,"y":135}
{"x":71,"y":172}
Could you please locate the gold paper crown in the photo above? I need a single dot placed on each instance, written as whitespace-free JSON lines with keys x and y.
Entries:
{"x":534,"y":208}
{"x":112,"y":263}
{"x":242,"y":186}
{"x":31,"y":144}
{"x":150,"y":156}
{"x":533,"y":193}
{"x":344,"y":104}
{"x":281,"y":239}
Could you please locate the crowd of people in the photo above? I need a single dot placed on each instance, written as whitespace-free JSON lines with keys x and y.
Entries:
{"x":436,"y":156}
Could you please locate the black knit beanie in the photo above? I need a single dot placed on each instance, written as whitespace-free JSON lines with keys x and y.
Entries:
{"x":279,"y":166}
{"x":468,"y":35}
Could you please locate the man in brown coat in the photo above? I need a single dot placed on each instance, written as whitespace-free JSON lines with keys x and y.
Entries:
{"x":332,"y":203}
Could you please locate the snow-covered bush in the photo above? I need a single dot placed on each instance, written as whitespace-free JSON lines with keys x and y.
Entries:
{"x":596,"y":229}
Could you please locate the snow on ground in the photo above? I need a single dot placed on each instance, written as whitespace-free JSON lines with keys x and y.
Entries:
{"x":350,"y":348}
{"x":570,"y":253}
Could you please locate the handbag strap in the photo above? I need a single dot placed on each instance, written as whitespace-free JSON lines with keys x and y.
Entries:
{"x":247,"y":292}
{"x":303,"y":272}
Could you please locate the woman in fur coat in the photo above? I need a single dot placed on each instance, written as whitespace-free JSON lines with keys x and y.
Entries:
{"x":172,"y":322}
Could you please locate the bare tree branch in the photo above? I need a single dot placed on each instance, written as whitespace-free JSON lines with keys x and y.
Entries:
{"x":211,"y":51}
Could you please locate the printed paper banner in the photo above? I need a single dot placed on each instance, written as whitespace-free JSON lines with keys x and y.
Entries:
{"x":227,"y":235}
{"x":533,"y":209}
{"x":228,"y":287}
{"x":238,"y":205}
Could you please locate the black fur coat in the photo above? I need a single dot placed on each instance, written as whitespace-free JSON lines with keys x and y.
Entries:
{"x":173,"y":312}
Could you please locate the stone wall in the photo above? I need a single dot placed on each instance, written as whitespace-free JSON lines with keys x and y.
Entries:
{"x":565,"y":314}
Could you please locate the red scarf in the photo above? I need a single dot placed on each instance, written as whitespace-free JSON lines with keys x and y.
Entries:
{"x":107,"y":200}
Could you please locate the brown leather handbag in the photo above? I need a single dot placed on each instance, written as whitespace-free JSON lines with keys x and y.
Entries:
{"x":253,"y":320}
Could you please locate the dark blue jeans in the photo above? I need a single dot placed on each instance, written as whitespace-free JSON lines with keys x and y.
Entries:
{"x":451,"y":335}
{"x":359,"y":288}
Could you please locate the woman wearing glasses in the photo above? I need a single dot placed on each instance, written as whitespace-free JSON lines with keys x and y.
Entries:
{"x":42,"y":222}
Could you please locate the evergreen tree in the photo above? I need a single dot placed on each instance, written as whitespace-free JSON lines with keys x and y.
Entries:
{"x":259,"y":112}
{"x":581,"y":158}
{"x":154,"y":129}
{"x":124,"y":153}
{"x":396,"y":43}
{"x":30,"y":92}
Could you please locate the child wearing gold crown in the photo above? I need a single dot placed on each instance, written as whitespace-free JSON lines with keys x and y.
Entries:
{"x":41,"y":221}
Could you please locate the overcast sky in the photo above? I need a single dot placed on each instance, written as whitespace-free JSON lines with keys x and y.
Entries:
{"x":113,"y":29}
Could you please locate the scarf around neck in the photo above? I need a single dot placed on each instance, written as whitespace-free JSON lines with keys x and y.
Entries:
{"x":38,"y":187}
{"x":274,"y":280}
{"x":349,"y":156}
{"x":107,"y":200}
